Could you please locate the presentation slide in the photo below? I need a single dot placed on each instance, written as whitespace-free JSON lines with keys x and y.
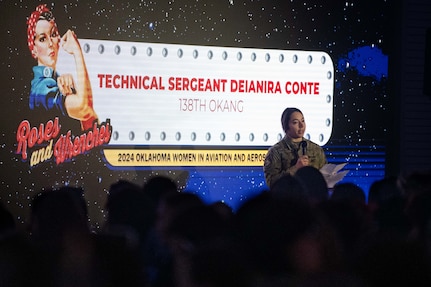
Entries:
{"x":193,"y":90}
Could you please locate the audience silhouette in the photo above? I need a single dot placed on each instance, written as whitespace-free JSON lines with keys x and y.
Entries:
{"x":295,"y":233}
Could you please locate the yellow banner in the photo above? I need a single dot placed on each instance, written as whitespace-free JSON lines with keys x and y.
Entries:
{"x":184,"y":157}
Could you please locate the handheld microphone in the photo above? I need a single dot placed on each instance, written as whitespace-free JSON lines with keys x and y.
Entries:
{"x":303,"y":145}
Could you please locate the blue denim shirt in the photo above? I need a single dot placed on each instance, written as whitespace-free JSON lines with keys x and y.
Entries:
{"x":44,"y":93}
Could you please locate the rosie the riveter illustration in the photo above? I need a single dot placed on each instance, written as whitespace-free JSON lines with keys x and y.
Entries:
{"x":51,"y":92}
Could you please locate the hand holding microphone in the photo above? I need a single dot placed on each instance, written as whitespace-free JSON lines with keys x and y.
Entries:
{"x":302,"y":159}
{"x":303,"y":145}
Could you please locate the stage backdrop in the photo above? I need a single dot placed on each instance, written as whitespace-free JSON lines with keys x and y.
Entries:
{"x":194,"y":90}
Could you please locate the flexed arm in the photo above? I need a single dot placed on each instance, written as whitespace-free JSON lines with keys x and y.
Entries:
{"x":79,"y":95}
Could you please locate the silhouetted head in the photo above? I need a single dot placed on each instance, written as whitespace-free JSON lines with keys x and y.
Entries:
{"x":56,"y":213}
{"x":130,"y":208}
{"x":349,"y":192}
{"x":158,"y":186}
{"x":313,"y":183}
{"x":288,"y":187}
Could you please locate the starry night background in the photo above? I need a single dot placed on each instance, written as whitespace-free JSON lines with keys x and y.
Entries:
{"x":356,"y":34}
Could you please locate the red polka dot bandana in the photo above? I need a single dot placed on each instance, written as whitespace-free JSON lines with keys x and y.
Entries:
{"x":32,"y":21}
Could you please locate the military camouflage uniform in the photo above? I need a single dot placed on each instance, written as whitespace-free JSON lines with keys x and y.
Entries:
{"x":282,"y":157}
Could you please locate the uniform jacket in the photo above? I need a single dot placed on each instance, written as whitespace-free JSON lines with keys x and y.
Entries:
{"x":281,"y":158}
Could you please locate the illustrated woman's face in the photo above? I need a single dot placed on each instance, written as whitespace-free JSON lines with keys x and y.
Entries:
{"x":296,"y":126}
{"x":46,"y":43}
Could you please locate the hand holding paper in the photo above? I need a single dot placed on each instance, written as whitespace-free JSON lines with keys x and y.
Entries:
{"x":332,"y":174}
